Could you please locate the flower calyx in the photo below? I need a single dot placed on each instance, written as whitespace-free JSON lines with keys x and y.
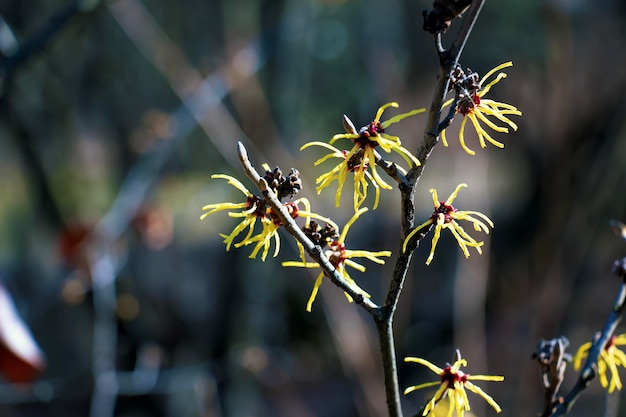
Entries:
{"x":466,"y":86}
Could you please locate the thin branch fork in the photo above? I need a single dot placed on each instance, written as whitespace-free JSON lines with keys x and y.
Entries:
{"x":383,"y":315}
{"x":292,"y":227}
{"x":553,"y":359}
{"x":430,"y":139}
{"x":589,"y":370}
{"x":448,"y":59}
{"x":384,"y":322}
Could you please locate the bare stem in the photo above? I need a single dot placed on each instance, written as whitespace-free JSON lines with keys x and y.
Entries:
{"x":553,"y":359}
{"x":589,"y":370}
{"x":390,"y":169}
{"x":384,"y":322}
{"x":292,"y":227}
{"x":388,"y":352}
{"x":448,"y":59}
{"x":383,"y":315}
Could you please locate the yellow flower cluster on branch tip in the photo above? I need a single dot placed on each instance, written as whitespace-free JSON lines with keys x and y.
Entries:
{"x":445,"y":217}
{"x":477,"y":109}
{"x":361,"y":158}
{"x":340,"y":257}
{"x":254,"y":210}
{"x":611,"y":358}
{"x":452,"y":384}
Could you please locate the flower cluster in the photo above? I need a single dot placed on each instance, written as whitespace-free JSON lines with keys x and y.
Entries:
{"x":255,"y":210}
{"x":452,"y":384}
{"x":259,"y":221}
{"x":611,"y":358}
{"x":472,"y":105}
{"x":445,"y":216}
{"x":361,"y":159}
{"x":339,"y":256}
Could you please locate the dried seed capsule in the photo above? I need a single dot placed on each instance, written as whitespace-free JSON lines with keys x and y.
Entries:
{"x":439,"y":18}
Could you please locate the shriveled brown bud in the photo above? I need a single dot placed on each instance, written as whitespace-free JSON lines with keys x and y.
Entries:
{"x":281,"y":185}
{"x":320,"y":236}
{"x":443,"y":12}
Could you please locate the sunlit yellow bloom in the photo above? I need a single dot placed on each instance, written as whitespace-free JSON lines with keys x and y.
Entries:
{"x":340,"y":257}
{"x":254,"y":210}
{"x":478,"y":109}
{"x":610,"y":359}
{"x":340,"y":172}
{"x":452,"y":384}
{"x":444,"y":407}
{"x":445,"y":217}
{"x":361,"y":159}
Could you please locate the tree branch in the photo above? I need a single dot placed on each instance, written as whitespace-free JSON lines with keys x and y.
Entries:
{"x":589,"y":370}
{"x":384,"y":322}
{"x":292,"y":228}
{"x":448,"y":59}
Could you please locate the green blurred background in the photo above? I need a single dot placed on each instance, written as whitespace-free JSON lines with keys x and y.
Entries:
{"x":113,"y":118}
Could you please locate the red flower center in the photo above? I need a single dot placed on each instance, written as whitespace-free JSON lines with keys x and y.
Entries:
{"x":292,"y":208}
{"x":446,"y":210}
{"x":448,"y":377}
{"x":466,"y":106}
{"x":354,"y":163}
{"x":371,"y":130}
{"x":610,"y":343}
{"x":261,"y":207}
{"x":336,"y":253}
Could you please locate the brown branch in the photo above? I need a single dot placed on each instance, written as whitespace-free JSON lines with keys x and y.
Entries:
{"x":390,"y":169}
{"x":588,"y":373}
{"x":551,"y":356}
{"x":292,"y":228}
{"x":384,"y":321}
{"x":448,"y":59}
{"x":383,"y":316}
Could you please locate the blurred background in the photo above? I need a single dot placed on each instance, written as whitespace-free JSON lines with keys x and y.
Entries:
{"x":116,"y":300}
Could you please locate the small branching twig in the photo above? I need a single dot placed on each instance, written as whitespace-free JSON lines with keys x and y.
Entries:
{"x":292,"y":228}
{"x":448,"y":59}
{"x":589,"y":371}
{"x":390,"y":169}
{"x":553,"y":361}
{"x":384,"y":322}
{"x":383,"y":315}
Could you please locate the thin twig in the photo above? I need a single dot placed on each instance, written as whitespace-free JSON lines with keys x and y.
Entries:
{"x":448,"y":59}
{"x":292,"y":227}
{"x":589,"y":370}
{"x":390,"y":169}
{"x":553,"y":360}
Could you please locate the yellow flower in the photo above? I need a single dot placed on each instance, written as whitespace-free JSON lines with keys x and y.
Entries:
{"x":452,"y":383}
{"x":362,"y":157}
{"x":610,"y":359}
{"x":340,"y":257}
{"x":340,"y":172}
{"x":473,"y":106}
{"x":445,"y":217}
{"x":255,"y":210}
